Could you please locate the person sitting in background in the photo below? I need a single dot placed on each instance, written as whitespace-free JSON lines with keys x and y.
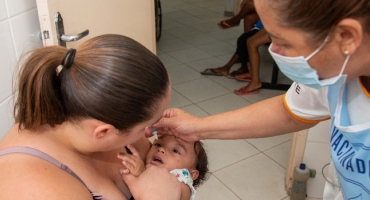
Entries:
{"x":260,"y":38}
{"x":186,"y":160}
{"x":241,"y":53}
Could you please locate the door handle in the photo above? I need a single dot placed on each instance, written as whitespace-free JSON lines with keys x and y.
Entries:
{"x":62,"y":38}
{"x":71,"y":38}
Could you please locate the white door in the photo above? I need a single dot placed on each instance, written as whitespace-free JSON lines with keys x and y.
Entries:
{"x":132,"y":18}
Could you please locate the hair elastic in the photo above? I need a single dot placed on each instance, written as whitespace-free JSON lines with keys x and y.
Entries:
{"x":68,"y":58}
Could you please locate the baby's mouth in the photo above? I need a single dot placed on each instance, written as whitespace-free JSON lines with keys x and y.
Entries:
{"x":157,"y":160}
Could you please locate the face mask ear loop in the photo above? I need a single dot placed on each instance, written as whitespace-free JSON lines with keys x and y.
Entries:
{"x":318,"y":49}
{"x":344,"y":65}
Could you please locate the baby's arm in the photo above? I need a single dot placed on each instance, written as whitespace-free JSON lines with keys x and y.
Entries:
{"x":133,"y":163}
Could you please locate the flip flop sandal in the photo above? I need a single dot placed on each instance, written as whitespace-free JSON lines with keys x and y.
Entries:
{"x":225,"y":25}
{"x":243,"y":91}
{"x":211,"y":71}
{"x":243,"y":77}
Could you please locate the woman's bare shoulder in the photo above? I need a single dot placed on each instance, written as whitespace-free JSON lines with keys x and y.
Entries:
{"x":24,"y":176}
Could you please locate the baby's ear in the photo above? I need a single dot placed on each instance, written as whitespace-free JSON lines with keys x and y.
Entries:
{"x":194,"y":174}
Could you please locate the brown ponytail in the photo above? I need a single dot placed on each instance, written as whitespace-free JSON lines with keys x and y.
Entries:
{"x":112,"y":78}
{"x":38,"y":100}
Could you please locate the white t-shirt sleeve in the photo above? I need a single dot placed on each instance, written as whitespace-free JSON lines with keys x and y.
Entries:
{"x":307,"y":104}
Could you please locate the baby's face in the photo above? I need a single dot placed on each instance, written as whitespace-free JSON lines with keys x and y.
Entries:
{"x":172,"y":153}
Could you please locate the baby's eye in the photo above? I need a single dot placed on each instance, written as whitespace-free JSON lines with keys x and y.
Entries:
{"x":157,"y":145}
{"x":175,"y":151}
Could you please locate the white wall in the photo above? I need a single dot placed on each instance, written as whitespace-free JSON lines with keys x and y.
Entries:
{"x":316,"y":156}
{"x":19,"y":32}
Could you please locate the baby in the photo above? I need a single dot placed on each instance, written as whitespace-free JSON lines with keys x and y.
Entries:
{"x":186,"y":160}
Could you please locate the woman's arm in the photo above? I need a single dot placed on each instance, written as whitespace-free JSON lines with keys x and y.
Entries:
{"x":153,"y":184}
{"x":263,"y":119}
{"x":185,"y":192}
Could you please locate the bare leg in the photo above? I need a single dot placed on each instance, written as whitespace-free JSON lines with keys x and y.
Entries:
{"x":243,"y":68}
{"x":226,"y":68}
{"x":249,"y":21}
{"x":247,"y":8}
{"x":261,"y":37}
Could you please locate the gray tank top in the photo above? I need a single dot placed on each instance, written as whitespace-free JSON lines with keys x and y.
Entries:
{"x":44,"y":156}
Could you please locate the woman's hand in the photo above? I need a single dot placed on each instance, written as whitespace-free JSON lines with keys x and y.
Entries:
{"x":178,"y":123}
{"x":133,"y":163}
{"x":153,"y":184}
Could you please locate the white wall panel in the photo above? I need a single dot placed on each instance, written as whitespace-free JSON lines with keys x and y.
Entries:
{"x":18,"y":6}
{"x":3,"y":13}
{"x":8,"y":60}
{"x":6,"y":119}
{"x":26,"y":29}
{"x":19,"y":28}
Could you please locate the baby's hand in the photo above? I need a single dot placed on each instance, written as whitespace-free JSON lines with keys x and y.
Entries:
{"x":133,"y":163}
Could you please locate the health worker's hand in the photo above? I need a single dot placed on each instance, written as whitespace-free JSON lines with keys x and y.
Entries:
{"x":177,"y":122}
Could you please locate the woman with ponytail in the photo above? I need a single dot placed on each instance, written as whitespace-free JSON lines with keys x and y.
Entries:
{"x":75,"y":110}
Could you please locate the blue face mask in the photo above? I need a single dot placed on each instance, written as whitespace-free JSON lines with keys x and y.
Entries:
{"x":298,"y":69}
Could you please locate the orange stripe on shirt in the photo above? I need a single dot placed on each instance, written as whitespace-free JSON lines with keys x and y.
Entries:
{"x":300,"y":118}
{"x":363,"y":87}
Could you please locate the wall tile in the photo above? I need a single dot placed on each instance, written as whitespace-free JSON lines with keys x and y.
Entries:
{"x":18,"y":6}
{"x":8,"y":60}
{"x":6,"y":119}
{"x":3,"y":13}
{"x":26,"y":30}
{"x":19,"y":32}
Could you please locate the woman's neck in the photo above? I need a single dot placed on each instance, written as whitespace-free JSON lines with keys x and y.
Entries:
{"x":46,"y":138}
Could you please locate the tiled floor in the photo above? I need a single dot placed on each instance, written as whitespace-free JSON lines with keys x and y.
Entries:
{"x":191,"y":42}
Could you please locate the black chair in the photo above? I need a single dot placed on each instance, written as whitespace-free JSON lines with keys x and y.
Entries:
{"x":274,"y":85}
